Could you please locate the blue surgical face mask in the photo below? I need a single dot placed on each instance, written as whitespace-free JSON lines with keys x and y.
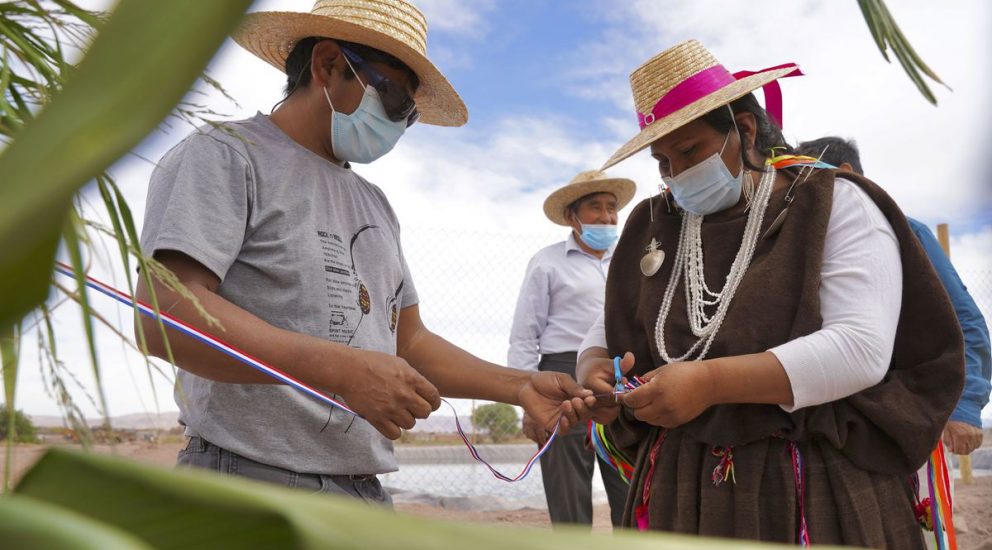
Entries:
{"x":366,"y":134}
{"x":707,"y":187}
{"x":599,"y":236}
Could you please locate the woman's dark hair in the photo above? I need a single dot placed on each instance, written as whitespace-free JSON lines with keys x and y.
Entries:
{"x":768,"y":134}
{"x":298,"y":62}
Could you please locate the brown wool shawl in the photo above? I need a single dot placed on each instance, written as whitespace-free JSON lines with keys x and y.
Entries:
{"x":886,"y":430}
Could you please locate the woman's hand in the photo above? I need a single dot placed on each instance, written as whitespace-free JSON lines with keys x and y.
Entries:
{"x":672,"y":394}
{"x":595,"y":372}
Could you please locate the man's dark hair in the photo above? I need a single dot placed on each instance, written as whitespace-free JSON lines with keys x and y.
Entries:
{"x":839,"y":151}
{"x":768,"y":134}
{"x":298,"y":62}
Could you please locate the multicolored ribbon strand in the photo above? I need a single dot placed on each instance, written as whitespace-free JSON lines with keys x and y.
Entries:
{"x":724,"y":470}
{"x":790,"y":161}
{"x":608,"y":453}
{"x":223,"y":347}
{"x":642,"y":514}
{"x":941,"y":505}
{"x":598,"y":438}
{"x":799,"y":473}
{"x":499,"y":475}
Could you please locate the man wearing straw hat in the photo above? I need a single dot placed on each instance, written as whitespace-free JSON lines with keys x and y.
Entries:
{"x":299,"y":261}
{"x":561,"y":296}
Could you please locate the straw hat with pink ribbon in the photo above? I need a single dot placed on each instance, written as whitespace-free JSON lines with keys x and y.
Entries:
{"x":684,"y":83}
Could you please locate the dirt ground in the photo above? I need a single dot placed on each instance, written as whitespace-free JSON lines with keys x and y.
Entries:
{"x":973,"y":503}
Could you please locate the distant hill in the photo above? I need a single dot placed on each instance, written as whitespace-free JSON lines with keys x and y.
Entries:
{"x":136,"y":421}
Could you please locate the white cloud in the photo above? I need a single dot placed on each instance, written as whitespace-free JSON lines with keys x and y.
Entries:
{"x":470,"y":198}
{"x":931,"y":160}
{"x":458,"y":17}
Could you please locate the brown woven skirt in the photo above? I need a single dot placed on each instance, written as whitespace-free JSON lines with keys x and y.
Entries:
{"x":760,"y":499}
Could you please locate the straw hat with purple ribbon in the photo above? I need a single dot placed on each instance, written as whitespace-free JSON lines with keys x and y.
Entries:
{"x":392,"y":26}
{"x":684,"y":83}
{"x":587,"y":183}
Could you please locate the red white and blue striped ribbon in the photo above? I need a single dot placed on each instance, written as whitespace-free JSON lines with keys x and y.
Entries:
{"x":224,"y":347}
{"x":499,"y":475}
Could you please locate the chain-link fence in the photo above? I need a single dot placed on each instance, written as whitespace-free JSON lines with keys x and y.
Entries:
{"x":468,"y":284}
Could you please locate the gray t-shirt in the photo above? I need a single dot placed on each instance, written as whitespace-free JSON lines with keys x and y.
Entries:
{"x":307,"y":246}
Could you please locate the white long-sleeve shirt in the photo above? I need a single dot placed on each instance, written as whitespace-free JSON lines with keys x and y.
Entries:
{"x":562,"y":293}
{"x":860,"y":300}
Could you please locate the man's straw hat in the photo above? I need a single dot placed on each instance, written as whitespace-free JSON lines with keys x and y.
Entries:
{"x":684,"y":83}
{"x":391,"y":26}
{"x":586,"y":183}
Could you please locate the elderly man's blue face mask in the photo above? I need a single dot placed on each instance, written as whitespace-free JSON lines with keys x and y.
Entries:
{"x":599,"y":236}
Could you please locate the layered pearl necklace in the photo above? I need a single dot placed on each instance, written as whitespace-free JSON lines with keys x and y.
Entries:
{"x":698,"y":296}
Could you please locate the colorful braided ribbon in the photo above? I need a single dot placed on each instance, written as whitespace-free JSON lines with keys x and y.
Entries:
{"x":941,"y":505}
{"x":791,"y":161}
{"x":608,"y":453}
{"x":799,"y":473}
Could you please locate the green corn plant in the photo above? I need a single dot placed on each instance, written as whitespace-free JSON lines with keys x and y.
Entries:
{"x":887,"y":34}
{"x":180,"y":509}
{"x":61,"y":125}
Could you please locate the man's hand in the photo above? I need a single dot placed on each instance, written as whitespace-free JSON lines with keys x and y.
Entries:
{"x":962,"y":438}
{"x":552,"y":397}
{"x":531,"y":431}
{"x":597,"y":374}
{"x":388,"y":393}
{"x":671,"y":395}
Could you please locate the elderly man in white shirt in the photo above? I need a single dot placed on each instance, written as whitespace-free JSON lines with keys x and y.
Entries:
{"x":561,"y":297}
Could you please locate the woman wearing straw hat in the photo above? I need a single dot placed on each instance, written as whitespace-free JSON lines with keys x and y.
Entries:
{"x":793,"y":354}
{"x":300,"y":260}
{"x":561,"y":296}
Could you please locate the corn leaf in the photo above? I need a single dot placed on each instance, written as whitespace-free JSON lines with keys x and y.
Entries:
{"x":183,"y":509}
{"x":886,"y":33}
{"x":145,"y":58}
{"x":26,"y":523}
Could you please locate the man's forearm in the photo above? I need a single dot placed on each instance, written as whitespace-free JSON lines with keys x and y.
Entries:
{"x":457,"y":373}
{"x":291,"y":352}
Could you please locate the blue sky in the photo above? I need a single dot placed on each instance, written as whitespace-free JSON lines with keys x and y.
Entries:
{"x":546,"y":86}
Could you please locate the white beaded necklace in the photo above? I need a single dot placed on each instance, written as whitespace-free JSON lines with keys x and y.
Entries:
{"x":689,"y":258}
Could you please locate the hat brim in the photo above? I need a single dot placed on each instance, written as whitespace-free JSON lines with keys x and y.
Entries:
{"x":272,"y":35}
{"x":556,"y":203}
{"x":662,"y":127}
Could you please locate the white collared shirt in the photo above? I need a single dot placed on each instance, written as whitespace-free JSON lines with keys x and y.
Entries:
{"x":562,"y":294}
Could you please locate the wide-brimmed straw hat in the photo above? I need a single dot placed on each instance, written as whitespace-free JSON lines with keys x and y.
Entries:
{"x":684,"y":83}
{"x":392,"y":26}
{"x":587,"y":183}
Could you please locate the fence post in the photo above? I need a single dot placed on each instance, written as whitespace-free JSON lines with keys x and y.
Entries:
{"x":964,"y":461}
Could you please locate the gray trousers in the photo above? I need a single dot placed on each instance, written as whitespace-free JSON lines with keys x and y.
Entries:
{"x":567,"y":467}
{"x":200,"y":453}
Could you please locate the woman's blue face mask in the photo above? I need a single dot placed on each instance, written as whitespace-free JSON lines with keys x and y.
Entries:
{"x":707,"y":187}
